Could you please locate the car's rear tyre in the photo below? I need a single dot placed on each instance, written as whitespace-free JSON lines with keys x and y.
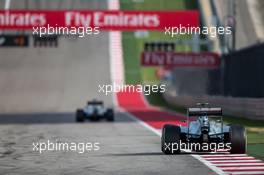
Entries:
{"x":170,"y":139}
{"x":238,"y":140}
{"x":79,"y":115}
{"x":110,"y":115}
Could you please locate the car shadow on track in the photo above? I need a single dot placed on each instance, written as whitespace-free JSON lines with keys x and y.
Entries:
{"x":37,"y":118}
{"x":69,"y":117}
{"x":162,"y":154}
{"x":50,"y":118}
{"x":137,"y":154}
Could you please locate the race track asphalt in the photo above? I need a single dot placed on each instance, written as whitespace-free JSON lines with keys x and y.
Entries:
{"x":40,"y":90}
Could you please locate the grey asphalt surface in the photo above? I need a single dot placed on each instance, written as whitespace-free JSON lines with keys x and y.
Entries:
{"x":41,"y":88}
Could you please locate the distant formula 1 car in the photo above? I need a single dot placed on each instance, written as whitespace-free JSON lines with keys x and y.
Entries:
{"x":204,"y":131}
{"x":94,"y":111}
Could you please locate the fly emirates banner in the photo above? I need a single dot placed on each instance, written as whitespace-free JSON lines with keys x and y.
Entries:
{"x":105,"y":20}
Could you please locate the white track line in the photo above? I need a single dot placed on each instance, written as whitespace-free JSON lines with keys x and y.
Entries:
{"x":250,"y":172}
{"x":116,"y":56}
{"x":116,"y":50}
{"x":113,"y":4}
{"x":230,"y":158}
{"x":223,"y":155}
{"x":233,"y":161}
{"x":7,"y":4}
{"x":116,"y":53}
{"x":244,"y":168}
{"x":239,"y":164}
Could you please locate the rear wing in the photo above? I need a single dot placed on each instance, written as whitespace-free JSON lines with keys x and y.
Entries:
{"x":208,"y":111}
{"x":95,"y":103}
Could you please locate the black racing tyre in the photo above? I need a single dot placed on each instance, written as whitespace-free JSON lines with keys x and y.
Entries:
{"x":110,"y":115}
{"x":170,"y":139}
{"x":238,"y":139}
{"x":79,"y":115}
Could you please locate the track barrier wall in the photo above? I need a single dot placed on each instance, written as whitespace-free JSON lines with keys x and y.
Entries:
{"x":237,"y":86}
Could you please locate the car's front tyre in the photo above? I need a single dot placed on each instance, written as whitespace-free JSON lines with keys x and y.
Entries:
{"x":170,"y":139}
{"x":110,"y":115}
{"x":79,"y":115}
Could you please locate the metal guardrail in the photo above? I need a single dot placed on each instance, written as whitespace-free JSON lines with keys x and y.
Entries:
{"x":250,"y":108}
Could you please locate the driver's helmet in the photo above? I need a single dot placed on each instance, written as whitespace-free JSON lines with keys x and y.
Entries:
{"x":203,"y":120}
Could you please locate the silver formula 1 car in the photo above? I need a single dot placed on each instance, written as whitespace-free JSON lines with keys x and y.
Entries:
{"x":207,"y":129}
{"x":94,"y":111}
